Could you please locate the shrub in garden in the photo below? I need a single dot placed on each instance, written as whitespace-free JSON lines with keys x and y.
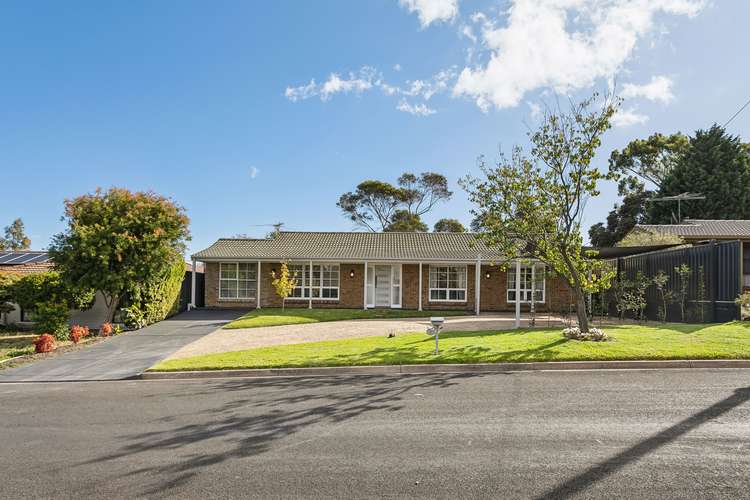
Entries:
{"x":744,"y":302}
{"x":155,"y":299}
{"x":78,"y":332}
{"x":51,"y":317}
{"x":44,"y":343}
{"x":593,"y":335}
{"x":106,"y":330}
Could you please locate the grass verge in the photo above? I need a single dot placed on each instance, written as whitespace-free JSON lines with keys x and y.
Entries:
{"x":628,"y":342}
{"x":295,"y":316}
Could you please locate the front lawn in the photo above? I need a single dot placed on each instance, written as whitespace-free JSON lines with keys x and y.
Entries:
{"x":14,"y":344}
{"x":628,"y":342}
{"x":295,"y":316}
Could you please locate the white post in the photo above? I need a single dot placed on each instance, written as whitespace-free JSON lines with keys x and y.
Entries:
{"x":309,"y":281}
{"x":364,"y":291}
{"x":518,"y":293}
{"x":192,"y":288}
{"x":420,"y":286}
{"x":477,"y":283}
{"x":257,"y":297}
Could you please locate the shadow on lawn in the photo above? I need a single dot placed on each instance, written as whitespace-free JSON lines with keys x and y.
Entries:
{"x":258,"y":413}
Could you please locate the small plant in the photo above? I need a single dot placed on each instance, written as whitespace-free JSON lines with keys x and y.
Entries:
{"x":744,"y":302}
{"x":106,"y":330}
{"x":700,"y":310}
{"x":661,"y":280}
{"x":78,"y":332}
{"x":44,"y":343}
{"x":52,"y":317}
{"x":683,"y":272}
{"x":593,"y":335}
{"x":283,"y":284}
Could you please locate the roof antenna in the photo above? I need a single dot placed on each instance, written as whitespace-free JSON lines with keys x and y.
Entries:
{"x":679,"y":198}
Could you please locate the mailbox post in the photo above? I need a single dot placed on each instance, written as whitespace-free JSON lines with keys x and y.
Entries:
{"x":437,"y":325}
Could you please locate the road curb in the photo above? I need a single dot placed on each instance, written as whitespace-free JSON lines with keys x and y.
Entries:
{"x":449,"y":368}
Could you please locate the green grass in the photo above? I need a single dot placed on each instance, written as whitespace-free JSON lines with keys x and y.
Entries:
{"x":14,"y":344}
{"x":670,"y":341}
{"x":295,"y":316}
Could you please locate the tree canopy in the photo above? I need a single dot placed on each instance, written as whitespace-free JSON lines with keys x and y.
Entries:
{"x":381,"y":206}
{"x":115,"y":238}
{"x":449,"y":226}
{"x":15,"y":237}
{"x":621,"y":220}
{"x":645,"y":237}
{"x":532,"y":206}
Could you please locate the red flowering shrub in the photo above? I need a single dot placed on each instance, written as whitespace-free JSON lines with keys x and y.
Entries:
{"x":106,"y":330}
{"x":44,"y":343}
{"x":78,"y":332}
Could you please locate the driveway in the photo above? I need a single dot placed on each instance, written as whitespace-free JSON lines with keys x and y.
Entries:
{"x":126,"y":355}
{"x":250,"y":338}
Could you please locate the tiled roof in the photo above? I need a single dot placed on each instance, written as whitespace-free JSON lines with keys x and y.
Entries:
{"x":24,"y":262}
{"x":352,"y":245}
{"x":699,"y":228}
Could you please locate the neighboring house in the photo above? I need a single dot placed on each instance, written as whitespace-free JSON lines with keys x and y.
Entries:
{"x":420,"y":271}
{"x":24,"y":262}
{"x":699,"y":230}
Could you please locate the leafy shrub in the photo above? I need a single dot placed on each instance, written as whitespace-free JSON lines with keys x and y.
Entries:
{"x":78,"y":332}
{"x":52,"y":317}
{"x":6,"y":295}
{"x":44,"y":343}
{"x":156,"y":299}
{"x":106,"y":330}
{"x":744,"y":302}
{"x":593,"y":335}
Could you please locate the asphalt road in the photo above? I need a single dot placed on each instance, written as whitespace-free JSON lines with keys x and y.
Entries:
{"x":615,"y":434}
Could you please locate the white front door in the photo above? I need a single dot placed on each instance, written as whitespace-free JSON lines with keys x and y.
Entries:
{"x":382,"y":277}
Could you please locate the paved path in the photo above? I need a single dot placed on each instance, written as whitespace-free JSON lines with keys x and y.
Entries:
{"x":125,"y":355}
{"x":658,"y":434}
{"x":250,"y":338}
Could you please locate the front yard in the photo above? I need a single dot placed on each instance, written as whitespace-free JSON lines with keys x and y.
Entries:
{"x":14,"y":344}
{"x":295,"y":316}
{"x":628,"y":342}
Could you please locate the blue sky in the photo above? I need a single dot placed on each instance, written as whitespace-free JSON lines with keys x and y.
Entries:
{"x":214,"y":103}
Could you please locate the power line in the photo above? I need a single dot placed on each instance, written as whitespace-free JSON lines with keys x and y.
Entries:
{"x":735,"y":115}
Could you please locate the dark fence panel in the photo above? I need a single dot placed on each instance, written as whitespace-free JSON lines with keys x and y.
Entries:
{"x":713,"y":285}
{"x":186,"y":290}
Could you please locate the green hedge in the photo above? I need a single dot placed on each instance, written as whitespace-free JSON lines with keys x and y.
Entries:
{"x":155,"y":299}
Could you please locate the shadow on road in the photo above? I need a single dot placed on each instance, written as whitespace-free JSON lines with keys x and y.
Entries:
{"x":262,"y":412}
{"x":602,"y":470}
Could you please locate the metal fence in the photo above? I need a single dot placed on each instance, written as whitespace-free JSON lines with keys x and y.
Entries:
{"x":712,"y":285}
{"x":186,"y":290}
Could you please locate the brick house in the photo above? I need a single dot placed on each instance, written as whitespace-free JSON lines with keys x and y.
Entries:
{"x":419,"y":271}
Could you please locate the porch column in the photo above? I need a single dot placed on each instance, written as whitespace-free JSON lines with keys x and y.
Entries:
{"x":309,"y":281}
{"x":518,"y":293}
{"x":420,"y":286}
{"x":477,"y":283}
{"x":257,"y":296}
{"x":364,"y":291}
{"x":192,"y":287}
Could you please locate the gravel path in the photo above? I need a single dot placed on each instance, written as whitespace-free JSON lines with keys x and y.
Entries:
{"x":250,"y":338}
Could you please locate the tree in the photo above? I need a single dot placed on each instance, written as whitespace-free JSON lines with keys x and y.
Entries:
{"x":716,"y":165}
{"x":377,"y":205}
{"x":621,"y":220}
{"x":647,"y":237}
{"x":15,"y":237}
{"x":449,"y":226}
{"x":527,"y":209}
{"x":284,"y":284}
{"x":6,"y":295}
{"x":405,"y":222}
{"x":647,"y":163}
{"x":116,"y":238}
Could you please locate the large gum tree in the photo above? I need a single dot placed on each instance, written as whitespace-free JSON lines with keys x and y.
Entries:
{"x":532,"y":205}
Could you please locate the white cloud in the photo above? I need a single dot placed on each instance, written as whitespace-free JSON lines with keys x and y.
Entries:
{"x":658,"y":89}
{"x":430,"y":11}
{"x":415,"y":109}
{"x":564,"y":45}
{"x":254,"y":171}
{"x":364,"y":80}
{"x":628,"y":117}
{"x":397,"y":67}
{"x":535,"y":108}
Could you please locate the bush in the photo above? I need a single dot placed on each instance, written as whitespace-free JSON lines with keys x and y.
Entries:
{"x":52,"y":317}
{"x":106,"y":330}
{"x":44,"y":343}
{"x":593,"y":335}
{"x":744,"y":302}
{"x":78,"y":332}
{"x":156,"y":299}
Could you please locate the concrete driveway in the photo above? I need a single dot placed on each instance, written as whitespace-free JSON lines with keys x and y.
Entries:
{"x":250,"y":338}
{"x":123,"y":356}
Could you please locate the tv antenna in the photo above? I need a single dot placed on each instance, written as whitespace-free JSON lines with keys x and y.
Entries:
{"x":679,"y":198}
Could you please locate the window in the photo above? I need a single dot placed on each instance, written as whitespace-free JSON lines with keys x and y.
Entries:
{"x":238,"y":280}
{"x":529,"y":275}
{"x":448,"y":283}
{"x":324,"y":279}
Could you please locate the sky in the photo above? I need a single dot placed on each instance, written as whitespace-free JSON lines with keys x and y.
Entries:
{"x":251,"y":113}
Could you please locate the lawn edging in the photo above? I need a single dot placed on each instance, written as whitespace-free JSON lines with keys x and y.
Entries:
{"x":449,"y":368}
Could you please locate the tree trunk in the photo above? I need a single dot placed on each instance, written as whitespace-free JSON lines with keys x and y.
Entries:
{"x":111,"y":309}
{"x":583,"y":318}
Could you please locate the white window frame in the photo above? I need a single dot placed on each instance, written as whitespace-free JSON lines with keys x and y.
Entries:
{"x":526,"y":292}
{"x":305,"y":281}
{"x":447,"y":290}
{"x":252,"y":289}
